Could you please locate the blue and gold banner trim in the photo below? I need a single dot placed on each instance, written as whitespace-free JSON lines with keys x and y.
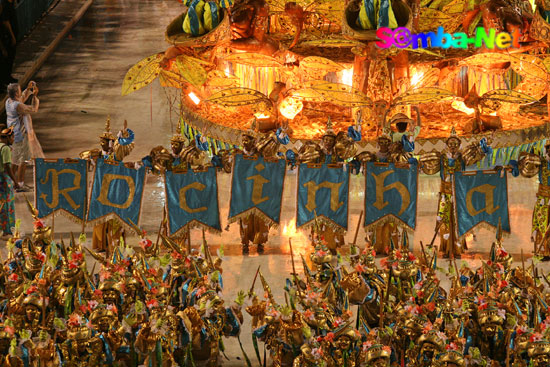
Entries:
{"x":61,"y":187}
{"x":257,"y":188}
{"x":481,"y":198}
{"x":117,"y":192}
{"x":192,"y":201}
{"x":391,"y":194}
{"x":323,"y":195}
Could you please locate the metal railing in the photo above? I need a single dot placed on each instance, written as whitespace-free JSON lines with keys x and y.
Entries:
{"x":29,"y":13}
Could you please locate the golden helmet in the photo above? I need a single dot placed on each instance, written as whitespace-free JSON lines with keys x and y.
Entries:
{"x":178,"y":138}
{"x":35,"y":300}
{"x":107,"y":134}
{"x":377,"y":351}
{"x":432,"y":338}
{"x":109,"y":284}
{"x":41,"y":234}
{"x":406,"y":269}
{"x":490,"y":316}
{"x":321,"y":255}
{"x":452,"y":356}
{"x":101,"y":312}
{"x":399,"y":118}
{"x":538,"y":348}
{"x":79,"y":333}
{"x":346,"y":330}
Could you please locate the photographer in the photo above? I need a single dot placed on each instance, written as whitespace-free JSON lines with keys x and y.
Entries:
{"x":17,"y":118}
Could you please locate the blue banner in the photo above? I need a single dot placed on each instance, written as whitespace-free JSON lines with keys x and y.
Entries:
{"x":192,"y":199}
{"x":390,"y":192}
{"x":257,"y":186}
{"x":60,"y":186}
{"x":117,"y":192}
{"x":323,"y":190}
{"x":481,"y":197}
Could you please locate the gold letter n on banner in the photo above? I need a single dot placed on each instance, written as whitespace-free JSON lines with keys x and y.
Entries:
{"x":106,"y":183}
{"x":55,"y":187}
{"x":183,"y":200}
{"x":312,"y":189}
{"x":381,"y":189}
{"x":488,"y":191}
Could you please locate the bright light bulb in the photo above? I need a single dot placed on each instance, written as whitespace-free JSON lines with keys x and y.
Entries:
{"x":460,"y":106}
{"x":194,"y":98}
{"x":416,"y":78}
{"x":290,"y":107}
{"x":261,"y":116}
{"x":347,"y":77}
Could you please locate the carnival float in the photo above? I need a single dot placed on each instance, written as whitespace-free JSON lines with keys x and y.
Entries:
{"x":294,"y":64}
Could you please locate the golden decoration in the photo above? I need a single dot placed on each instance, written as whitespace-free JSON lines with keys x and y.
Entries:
{"x":422,"y":95}
{"x":430,"y":19}
{"x":234,"y":97}
{"x":254,"y":59}
{"x":142,"y":73}
{"x":191,"y":70}
{"x":170,"y":79}
{"x":339,"y":94}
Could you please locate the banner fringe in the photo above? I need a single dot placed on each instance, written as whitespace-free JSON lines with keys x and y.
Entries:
{"x":323,"y":221}
{"x":110,"y":216}
{"x":73,"y":218}
{"x":194,"y":224}
{"x":390,"y":218}
{"x":257,"y":212}
{"x":484,"y":225}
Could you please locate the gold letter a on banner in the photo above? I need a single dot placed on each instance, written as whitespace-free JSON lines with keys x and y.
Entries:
{"x":487,"y":190}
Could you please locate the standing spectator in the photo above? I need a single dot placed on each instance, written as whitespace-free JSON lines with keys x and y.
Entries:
{"x":16,"y":111}
{"x":7,"y":182}
{"x":8,"y":34}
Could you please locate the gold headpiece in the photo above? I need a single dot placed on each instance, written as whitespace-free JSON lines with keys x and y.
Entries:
{"x":400,"y":117}
{"x":452,"y":356}
{"x":33,"y":300}
{"x":385,"y":135}
{"x":79,"y":333}
{"x":377,"y":351}
{"x":101,"y":312}
{"x":538,"y":348}
{"x":178,"y":137}
{"x":329,"y":131}
{"x":453,"y":135}
{"x":107,"y":134}
{"x":346,"y":330}
{"x":432,"y":338}
{"x":490,"y":316}
{"x":321,"y":255}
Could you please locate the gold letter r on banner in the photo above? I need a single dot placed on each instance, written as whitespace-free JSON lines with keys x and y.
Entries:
{"x":487,"y":190}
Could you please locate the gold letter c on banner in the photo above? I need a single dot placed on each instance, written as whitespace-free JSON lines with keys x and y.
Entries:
{"x":106,"y":183}
{"x":183,"y":200}
{"x":487,"y":190}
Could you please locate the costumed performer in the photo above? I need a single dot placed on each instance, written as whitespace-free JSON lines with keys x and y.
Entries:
{"x":447,"y":163}
{"x":113,"y":149}
{"x":7,"y":183}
